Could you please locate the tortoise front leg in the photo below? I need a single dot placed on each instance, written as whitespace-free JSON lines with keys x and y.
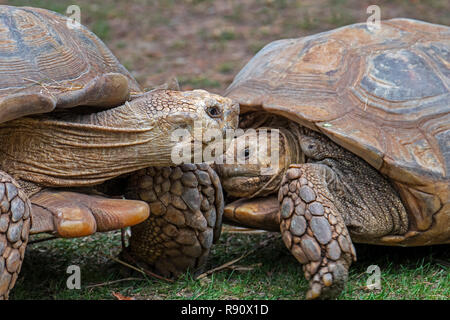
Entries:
{"x":186,"y":206}
{"x":313,"y":229}
{"x":15,"y":209}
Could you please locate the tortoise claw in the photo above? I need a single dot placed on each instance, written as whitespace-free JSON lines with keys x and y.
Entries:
{"x":71,"y":214}
{"x":257,"y":213}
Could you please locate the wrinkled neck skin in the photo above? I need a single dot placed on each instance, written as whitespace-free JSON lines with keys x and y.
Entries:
{"x":83,"y":150}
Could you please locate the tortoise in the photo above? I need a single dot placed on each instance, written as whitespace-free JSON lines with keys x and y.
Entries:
{"x":72,"y":118}
{"x":363,"y":118}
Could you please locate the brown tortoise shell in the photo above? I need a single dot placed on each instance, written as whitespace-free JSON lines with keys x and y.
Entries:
{"x":382,"y":94}
{"x":47,"y":65}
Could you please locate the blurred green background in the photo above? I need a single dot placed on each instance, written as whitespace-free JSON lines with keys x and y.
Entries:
{"x":204,"y":43}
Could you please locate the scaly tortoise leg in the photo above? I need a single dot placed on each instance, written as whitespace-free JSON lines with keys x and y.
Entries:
{"x":314,"y":231}
{"x":186,"y":207}
{"x":15,"y":209}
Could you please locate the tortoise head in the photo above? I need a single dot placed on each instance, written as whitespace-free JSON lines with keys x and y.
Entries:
{"x":255,"y":162}
{"x":198,"y":119}
{"x":210,"y":111}
{"x":143,"y":132}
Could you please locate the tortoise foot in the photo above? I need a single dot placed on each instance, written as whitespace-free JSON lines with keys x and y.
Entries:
{"x":186,"y":206}
{"x":73,"y":214}
{"x":314,"y":231}
{"x":328,"y":281}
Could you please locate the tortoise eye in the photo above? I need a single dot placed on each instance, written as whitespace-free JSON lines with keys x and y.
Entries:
{"x":246,"y":153}
{"x":213,"y":112}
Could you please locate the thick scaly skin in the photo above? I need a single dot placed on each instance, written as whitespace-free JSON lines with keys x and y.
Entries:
{"x":314,"y":230}
{"x":323,"y":202}
{"x":15,"y":219}
{"x":73,"y":150}
{"x":76,"y":150}
{"x":186,"y":205}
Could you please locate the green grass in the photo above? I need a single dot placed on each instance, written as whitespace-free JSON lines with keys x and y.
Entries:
{"x":199,"y":82}
{"x":226,"y":67}
{"x":101,"y":29}
{"x":269,"y":273}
